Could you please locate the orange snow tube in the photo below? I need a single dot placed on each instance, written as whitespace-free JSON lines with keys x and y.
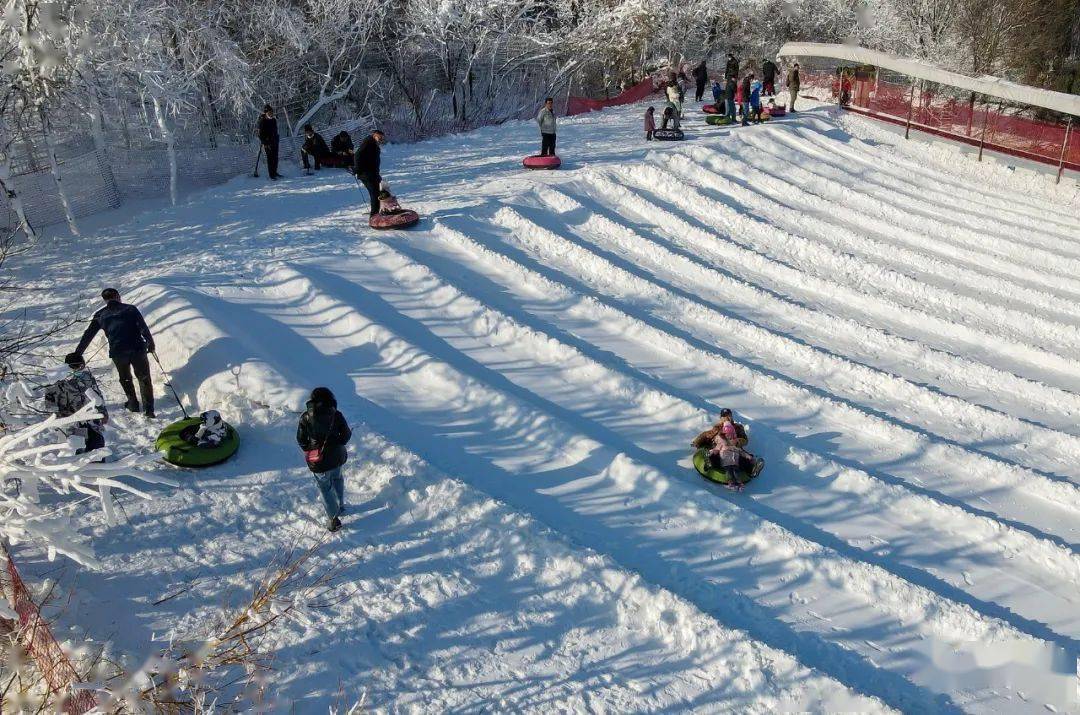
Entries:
{"x":541,"y":162}
{"x":403,"y":218}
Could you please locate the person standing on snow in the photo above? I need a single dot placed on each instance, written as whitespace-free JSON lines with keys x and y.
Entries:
{"x":129,"y":342}
{"x":366,"y":162}
{"x":268,"y":137}
{"x":322,"y":435}
{"x":745,"y":97}
{"x":650,"y":123}
{"x":546,"y":119}
{"x":731,"y":69}
{"x":701,"y":78}
{"x":729,"y":98}
{"x":314,"y":147}
{"x":768,"y":77}
{"x":71,"y":394}
{"x":793,"y":86}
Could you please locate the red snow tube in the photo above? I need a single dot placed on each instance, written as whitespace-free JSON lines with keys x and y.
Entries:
{"x":710,"y":109}
{"x":777,"y":111}
{"x":399,"y":219}
{"x":541,"y":162}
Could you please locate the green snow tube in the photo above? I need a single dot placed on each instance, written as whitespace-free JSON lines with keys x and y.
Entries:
{"x":718,"y":119}
{"x":173,"y":441}
{"x":701,"y":464}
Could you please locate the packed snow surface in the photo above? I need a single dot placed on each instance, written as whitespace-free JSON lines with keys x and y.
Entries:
{"x":898,"y":326}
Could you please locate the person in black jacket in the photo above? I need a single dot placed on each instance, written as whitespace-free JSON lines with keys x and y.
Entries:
{"x":746,"y":82}
{"x":729,"y":98}
{"x":366,"y":166}
{"x":342,"y":146}
{"x":268,"y":137}
{"x":731,"y":70}
{"x":322,"y":434}
{"x":701,"y":78}
{"x":129,"y":342}
{"x":314,"y":146}
{"x":768,"y":78}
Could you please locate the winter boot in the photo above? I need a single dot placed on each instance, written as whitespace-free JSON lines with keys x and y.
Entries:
{"x":333,"y":525}
{"x":132,"y":405}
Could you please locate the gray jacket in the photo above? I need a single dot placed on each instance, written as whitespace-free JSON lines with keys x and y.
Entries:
{"x":546,"y":120}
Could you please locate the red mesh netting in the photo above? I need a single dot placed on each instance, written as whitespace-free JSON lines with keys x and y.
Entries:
{"x":36,"y":636}
{"x":636,"y":93}
{"x":950,"y":116}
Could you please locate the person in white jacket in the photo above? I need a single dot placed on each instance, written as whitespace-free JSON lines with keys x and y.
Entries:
{"x":546,"y":120}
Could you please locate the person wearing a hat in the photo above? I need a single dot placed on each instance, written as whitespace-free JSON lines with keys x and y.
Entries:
{"x":708,"y":439}
{"x":70,"y":394}
{"x":129,"y":342}
{"x":268,"y":137}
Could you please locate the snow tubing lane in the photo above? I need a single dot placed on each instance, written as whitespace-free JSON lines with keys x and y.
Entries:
{"x":710,"y":109}
{"x":718,"y":120}
{"x":401,"y":219}
{"x":173,"y":443}
{"x":541,"y":162}
{"x":701,"y":459}
{"x":668,"y":135}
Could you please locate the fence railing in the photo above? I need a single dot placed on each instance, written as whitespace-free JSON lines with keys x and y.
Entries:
{"x":1008,"y":128}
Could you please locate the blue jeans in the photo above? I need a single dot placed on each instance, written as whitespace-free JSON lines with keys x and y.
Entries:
{"x":731,"y":110}
{"x":745,"y":113}
{"x":332,"y":488}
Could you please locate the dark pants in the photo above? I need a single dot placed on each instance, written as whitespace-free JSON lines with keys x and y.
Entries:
{"x":94,"y":438}
{"x":700,"y":89}
{"x":137,"y":361}
{"x":547,"y":144}
{"x":270,"y":148}
{"x":745,"y":113}
{"x":731,"y":110}
{"x":317,"y":157}
{"x":371,"y":183}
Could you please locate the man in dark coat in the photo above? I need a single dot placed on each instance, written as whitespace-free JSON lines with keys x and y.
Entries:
{"x":768,"y":78}
{"x":366,"y":166}
{"x":268,"y":137}
{"x":322,"y":435}
{"x":342,"y":146}
{"x":793,"y":86}
{"x":746,"y":82}
{"x":729,"y":98}
{"x":129,"y":342}
{"x":314,"y":146}
{"x":701,"y":78}
{"x":731,"y":70}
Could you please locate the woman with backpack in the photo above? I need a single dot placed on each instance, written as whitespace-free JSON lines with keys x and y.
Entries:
{"x":322,"y":435}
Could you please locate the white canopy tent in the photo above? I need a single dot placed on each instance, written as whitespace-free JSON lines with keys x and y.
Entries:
{"x":987,"y":85}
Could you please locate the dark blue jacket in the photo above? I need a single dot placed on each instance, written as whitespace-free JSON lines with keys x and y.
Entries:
{"x":124,"y":328}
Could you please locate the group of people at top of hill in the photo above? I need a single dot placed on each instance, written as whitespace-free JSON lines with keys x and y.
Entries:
{"x":738,"y":96}
{"x":362,"y":161}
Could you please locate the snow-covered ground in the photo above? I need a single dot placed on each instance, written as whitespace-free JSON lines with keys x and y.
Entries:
{"x":898,"y":326}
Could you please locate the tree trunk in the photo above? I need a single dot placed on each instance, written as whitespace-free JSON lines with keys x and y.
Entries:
{"x":14,"y":200}
{"x":54,"y":168}
{"x":170,"y":147}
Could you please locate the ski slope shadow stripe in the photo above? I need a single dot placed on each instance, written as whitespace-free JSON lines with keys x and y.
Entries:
{"x":453,"y":456}
{"x":774,"y":451}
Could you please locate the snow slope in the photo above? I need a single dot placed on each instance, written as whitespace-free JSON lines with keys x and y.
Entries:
{"x":900,"y":331}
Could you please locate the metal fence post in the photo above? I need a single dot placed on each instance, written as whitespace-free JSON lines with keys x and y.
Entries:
{"x":982,"y":136}
{"x":910,"y":108}
{"x":1064,"y":146}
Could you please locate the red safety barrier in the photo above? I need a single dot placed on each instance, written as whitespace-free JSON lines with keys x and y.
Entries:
{"x":38,"y":640}
{"x":636,"y":93}
{"x":941,"y":114}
